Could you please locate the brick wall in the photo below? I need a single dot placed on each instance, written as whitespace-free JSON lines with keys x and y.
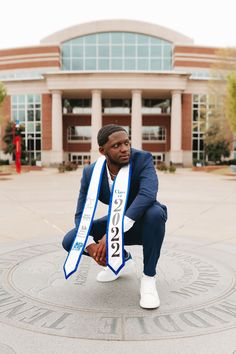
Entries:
{"x":187,"y":122}
{"x":124,"y":120}
{"x":46,"y":122}
{"x":5,"y":117}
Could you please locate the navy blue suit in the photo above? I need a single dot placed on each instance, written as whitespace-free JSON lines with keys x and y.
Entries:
{"x":142,"y":207}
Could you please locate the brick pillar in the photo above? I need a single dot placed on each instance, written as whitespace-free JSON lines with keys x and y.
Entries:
{"x":46,"y":122}
{"x":46,"y":128}
{"x":5,"y":117}
{"x":187,"y":129}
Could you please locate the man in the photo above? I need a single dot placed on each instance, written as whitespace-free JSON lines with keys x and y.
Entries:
{"x":144,"y":220}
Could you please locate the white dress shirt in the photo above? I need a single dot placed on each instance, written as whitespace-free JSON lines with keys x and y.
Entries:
{"x":128,"y":223}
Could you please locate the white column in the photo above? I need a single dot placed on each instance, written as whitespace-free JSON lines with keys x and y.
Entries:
{"x":96,"y":122}
{"x":176,"y":153}
{"x":136,"y":119}
{"x":57,"y":137}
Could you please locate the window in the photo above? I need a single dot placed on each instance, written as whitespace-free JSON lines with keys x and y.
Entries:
{"x":116,"y":51}
{"x":153,"y":133}
{"x":26,"y":109}
{"x":79,"y":133}
{"x":203,"y":109}
{"x":158,"y":158}
{"x":79,"y":159}
{"x":72,"y":105}
{"x":117,"y":106}
{"x":160,"y":103}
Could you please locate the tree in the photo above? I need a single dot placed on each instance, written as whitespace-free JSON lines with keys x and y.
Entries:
{"x":216,"y":144}
{"x":3,"y":92}
{"x":223,"y":84}
{"x":8,"y":138}
{"x":222,"y":87}
{"x":230,"y":104}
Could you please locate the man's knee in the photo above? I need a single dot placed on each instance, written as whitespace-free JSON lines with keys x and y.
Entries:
{"x":68,"y":240}
{"x":155,"y":214}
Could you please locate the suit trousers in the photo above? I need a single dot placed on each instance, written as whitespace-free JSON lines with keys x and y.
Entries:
{"x":148,"y":231}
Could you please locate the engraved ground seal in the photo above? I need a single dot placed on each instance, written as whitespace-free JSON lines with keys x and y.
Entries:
{"x":197,"y":295}
{"x":5,"y":349}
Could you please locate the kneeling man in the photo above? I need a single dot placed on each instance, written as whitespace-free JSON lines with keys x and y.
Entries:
{"x":144,"y":218}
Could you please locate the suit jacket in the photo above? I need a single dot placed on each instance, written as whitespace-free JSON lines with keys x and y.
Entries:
{"x":143,"y":186}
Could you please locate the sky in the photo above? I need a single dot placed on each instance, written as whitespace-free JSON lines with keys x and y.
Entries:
{"x":208,"y":22}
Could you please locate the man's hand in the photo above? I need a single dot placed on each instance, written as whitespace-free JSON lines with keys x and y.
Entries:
{"x":101,"y":250}
{"x":98,"y":251}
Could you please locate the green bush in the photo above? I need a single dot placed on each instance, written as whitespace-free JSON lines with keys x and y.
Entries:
{"x":61,"y":168}
{"x":24,"y":162}
{"x":162,"y":167}
{"x":69,"y":166}
{"x":172,"y":169}
{"x":4,"y":162}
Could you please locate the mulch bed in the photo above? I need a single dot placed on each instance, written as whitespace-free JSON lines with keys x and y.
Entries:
{"x":206,"y":168}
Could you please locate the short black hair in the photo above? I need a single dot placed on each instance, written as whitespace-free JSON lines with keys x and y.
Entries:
{"x":106,"y":131}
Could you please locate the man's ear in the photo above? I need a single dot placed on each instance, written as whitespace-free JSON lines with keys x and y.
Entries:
{"x":101,"y":150}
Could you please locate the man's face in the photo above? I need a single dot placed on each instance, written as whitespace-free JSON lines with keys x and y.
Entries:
{"x":117,"y":148}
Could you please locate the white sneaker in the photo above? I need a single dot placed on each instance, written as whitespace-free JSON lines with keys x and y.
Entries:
{"x":148,"y":291}
{"x":108,"y":275}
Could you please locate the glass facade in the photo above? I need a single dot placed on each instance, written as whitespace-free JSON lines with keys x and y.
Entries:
{"x":79,"y":159}
{"x":161,"y":105}
{"x":79,"y":133}
{"x":26,"y":109}
{"x":116,"y":51}
{"x":204,"y":108}
{"x":72,"y":105}
{"x":153,"y":133}
{"x":21,"y":74}
{"x":158,"y":158}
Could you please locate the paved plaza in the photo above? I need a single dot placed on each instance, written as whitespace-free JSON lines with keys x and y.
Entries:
{"x":41,"y":312}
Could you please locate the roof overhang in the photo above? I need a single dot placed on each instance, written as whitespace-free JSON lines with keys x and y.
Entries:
{"x":117,"y":26}
{"x":116,"y":81}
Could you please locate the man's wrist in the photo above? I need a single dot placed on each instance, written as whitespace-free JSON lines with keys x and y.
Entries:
{"x":91,"y":249}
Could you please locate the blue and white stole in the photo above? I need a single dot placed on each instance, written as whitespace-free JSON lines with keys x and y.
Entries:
{"x":115,"y":224}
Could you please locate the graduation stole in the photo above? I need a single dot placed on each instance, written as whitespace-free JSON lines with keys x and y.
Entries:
{"x":115,"y":223}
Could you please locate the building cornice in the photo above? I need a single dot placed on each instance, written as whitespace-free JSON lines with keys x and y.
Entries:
{"x":117,"y":26}
{"x":116,"y":81}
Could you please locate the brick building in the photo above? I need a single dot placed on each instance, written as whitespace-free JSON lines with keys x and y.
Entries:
{"x":147,"y":78}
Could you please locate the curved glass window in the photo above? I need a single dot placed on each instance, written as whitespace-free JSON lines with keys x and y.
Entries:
{"x":116,"y":51}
